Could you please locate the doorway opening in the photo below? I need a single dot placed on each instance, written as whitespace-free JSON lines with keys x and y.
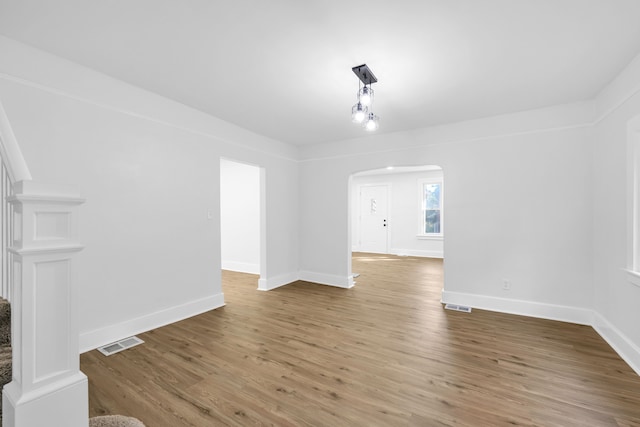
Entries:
{"x":397,"y":212}
{"x":241,"y":214}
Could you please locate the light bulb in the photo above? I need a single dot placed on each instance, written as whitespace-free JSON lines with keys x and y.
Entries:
{"x":372,"y":123}
{"x":358,"y":113}
{"x":365,"y":95}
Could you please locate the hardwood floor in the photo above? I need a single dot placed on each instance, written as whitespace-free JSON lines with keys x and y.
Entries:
{"x":384,"y":353}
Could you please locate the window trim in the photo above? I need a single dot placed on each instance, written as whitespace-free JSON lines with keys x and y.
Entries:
{"x":633,"y":201}
{"x":431,"y":236}
{"x":633,"y":277}
{"x":421,"y":234}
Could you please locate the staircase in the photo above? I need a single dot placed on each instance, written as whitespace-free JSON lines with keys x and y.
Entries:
{"x":5,"y":345}
{"x":7,"y":175}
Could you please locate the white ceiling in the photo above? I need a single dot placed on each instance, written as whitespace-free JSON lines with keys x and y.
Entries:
{"x":282,"y":68}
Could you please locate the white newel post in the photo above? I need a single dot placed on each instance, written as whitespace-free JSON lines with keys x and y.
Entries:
{"x":48,"y":388}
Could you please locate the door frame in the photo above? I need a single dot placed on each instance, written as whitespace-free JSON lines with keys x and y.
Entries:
{"x":262,"y":244}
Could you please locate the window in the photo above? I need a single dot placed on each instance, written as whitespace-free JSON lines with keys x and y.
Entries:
{"x":431,"y":213}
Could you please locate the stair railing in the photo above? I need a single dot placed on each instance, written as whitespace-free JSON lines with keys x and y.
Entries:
{"x":6,"y":231}
{"x":39,"y":244}
{"x":13,"y":168}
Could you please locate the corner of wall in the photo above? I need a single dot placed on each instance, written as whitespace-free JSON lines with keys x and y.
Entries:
{"x":327,"y":279}
{"x":267,"y":284}
{"x":96,"y":338}
{"x":625,"y":348}
{"x":619,"y":90}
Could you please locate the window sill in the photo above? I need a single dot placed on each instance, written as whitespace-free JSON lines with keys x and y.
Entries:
{"x":434,"y":237}
{"x":633,"y":277}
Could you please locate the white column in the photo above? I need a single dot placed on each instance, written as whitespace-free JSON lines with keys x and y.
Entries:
{"x":48,"y":388}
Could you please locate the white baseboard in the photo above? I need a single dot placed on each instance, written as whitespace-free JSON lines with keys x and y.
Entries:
{"x":327,"y":279}
{"x":275,"y":282}
{"x":307,"y":276}
{"x":93,"y":339}
{"x":628,"y":351}
{"x":417,"y":252}
{"x":241,"y":267}
{"x":523,"y":308}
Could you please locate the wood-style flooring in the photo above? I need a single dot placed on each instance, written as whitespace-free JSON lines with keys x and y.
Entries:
{"x":384,"y":353}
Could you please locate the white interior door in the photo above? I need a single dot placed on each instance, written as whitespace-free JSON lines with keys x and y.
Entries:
{"x":374,"y":213}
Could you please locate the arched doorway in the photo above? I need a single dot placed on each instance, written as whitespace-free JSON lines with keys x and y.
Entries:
{"x":397,"y":211}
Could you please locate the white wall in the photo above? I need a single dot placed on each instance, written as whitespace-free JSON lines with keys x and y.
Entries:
{"x":150,"y":171}
{"x":518,"y":207}
{"x":616,"y":298}
{"x":240,"y":216}
{"x":404,"y":213}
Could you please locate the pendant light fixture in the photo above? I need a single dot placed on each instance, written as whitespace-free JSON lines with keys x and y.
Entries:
{"x":372,"y":123}
{"x":365,"y":95}
{"x":358,"y":113}
{"x":361,"y":112}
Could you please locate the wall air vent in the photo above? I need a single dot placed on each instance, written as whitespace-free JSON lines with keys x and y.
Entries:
{"x":455,"y":307}
{"x":118,"y":346}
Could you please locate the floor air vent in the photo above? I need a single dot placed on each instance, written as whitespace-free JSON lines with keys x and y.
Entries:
{"x":118,"y":346}
{"x":458,"y":308}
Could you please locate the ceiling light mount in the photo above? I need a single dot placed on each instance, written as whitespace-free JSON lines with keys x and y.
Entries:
{"x":364,"y":74}
{"x":361,"y":112}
